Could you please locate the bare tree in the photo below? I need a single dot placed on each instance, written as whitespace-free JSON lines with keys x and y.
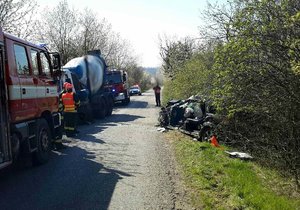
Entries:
{"x":175,"y":53}
{"x":121,"y":55}
{"x":59,"y":29}
{"x":218,"y":20}
{"x":94,"y":33}
{"x":16,"y":17}
{"x":97,"y":33}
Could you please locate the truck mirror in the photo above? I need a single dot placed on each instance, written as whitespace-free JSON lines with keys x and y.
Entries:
{"x":56,"y":63}
{"x":56,"y":60}
{"x":124,"y":77}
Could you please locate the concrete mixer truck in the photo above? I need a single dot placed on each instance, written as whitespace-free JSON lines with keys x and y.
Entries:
{"x":87,"y":74}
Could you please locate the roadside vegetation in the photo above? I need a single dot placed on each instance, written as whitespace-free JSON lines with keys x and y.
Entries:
{"x":246,"y":62}
{"x":217,"y":181}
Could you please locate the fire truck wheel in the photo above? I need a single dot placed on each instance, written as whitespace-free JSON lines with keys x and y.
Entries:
{"x":126,"y":101}
{"x":43,"y":143}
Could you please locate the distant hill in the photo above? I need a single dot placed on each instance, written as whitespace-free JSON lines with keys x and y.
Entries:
{"x":151,"y":70}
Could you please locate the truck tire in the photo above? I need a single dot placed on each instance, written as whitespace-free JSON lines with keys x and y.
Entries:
{"x":100,"y":111}
{"x":15,"y":146}
{"x":89,"y":114}
{"x":126,"y":101}
{"x":110,"y":105}
{"x":98,"y":107}
{"x":85,"y":114}
{"x":43,"y":143}
{"x":106,"y":106}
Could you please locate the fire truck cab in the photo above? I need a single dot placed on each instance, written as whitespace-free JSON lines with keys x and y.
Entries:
{"x":29,"y":114}
{"x":117,"y":81}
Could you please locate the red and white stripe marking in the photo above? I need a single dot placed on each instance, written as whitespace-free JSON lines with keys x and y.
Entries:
{"x":32,"y":92}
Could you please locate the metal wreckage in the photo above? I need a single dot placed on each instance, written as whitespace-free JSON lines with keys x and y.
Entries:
{"x":194,"y":116}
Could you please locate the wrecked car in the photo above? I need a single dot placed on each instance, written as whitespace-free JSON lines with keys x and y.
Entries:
{"x":193,"y":116}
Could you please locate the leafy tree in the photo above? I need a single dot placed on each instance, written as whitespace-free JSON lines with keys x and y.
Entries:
{"x":257,"y":84}
{"x":136,"y":74}
{"x":145,"y":82}
{"x":194,"y":77}
{"x":250,"y":68}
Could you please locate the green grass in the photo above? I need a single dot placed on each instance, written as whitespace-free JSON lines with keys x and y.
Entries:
{"x":219,"y":182}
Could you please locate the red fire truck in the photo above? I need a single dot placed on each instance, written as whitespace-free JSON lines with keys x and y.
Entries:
{"x":29,"y":101}
{"x":117,"y":82}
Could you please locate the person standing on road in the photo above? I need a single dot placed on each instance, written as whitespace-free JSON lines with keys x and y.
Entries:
{"x":64,"y":90}
{"x":157,"y":94}
{"x":58,"y":142}
{"x":71,"y":102}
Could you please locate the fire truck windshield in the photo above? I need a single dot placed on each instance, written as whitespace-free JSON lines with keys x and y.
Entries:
{"x":113,"y":78}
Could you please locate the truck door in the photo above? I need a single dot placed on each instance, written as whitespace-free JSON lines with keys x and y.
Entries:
{"x":50,"y":94}
{"x":40,"y":84}
{"x":27,"y":83}
{"x":4,"y":134}
{"x":41,"y":76}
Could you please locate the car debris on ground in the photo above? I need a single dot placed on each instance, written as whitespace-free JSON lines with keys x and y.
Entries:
{"x":240,"y":155}
{"x":161,"y":129}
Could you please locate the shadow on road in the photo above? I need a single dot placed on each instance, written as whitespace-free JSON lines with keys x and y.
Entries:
{"x":138,"y":105}
{"x":87,"y":132}
{"x":71,"y":179}
{"x":133,"y":104}
{"x":121,"y":118}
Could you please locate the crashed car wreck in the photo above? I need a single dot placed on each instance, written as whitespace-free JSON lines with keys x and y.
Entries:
{"x":193,"y":116}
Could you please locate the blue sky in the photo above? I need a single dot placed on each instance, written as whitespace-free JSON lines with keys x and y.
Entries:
{"x":142,"y":21}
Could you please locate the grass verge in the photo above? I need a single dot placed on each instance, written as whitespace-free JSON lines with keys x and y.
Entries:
{"x":216,"y":181}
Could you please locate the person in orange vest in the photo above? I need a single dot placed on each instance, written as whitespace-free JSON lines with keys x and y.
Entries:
{"x":71,"y":102}
{"x":157,"y":94}
{"x":64,"y":90}
{"x":58,"y":144}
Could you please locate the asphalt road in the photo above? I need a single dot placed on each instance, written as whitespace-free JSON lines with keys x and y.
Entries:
{"x":121,"y":162}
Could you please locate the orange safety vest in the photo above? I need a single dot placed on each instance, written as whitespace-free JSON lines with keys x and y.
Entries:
{"x":68,"y":101}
